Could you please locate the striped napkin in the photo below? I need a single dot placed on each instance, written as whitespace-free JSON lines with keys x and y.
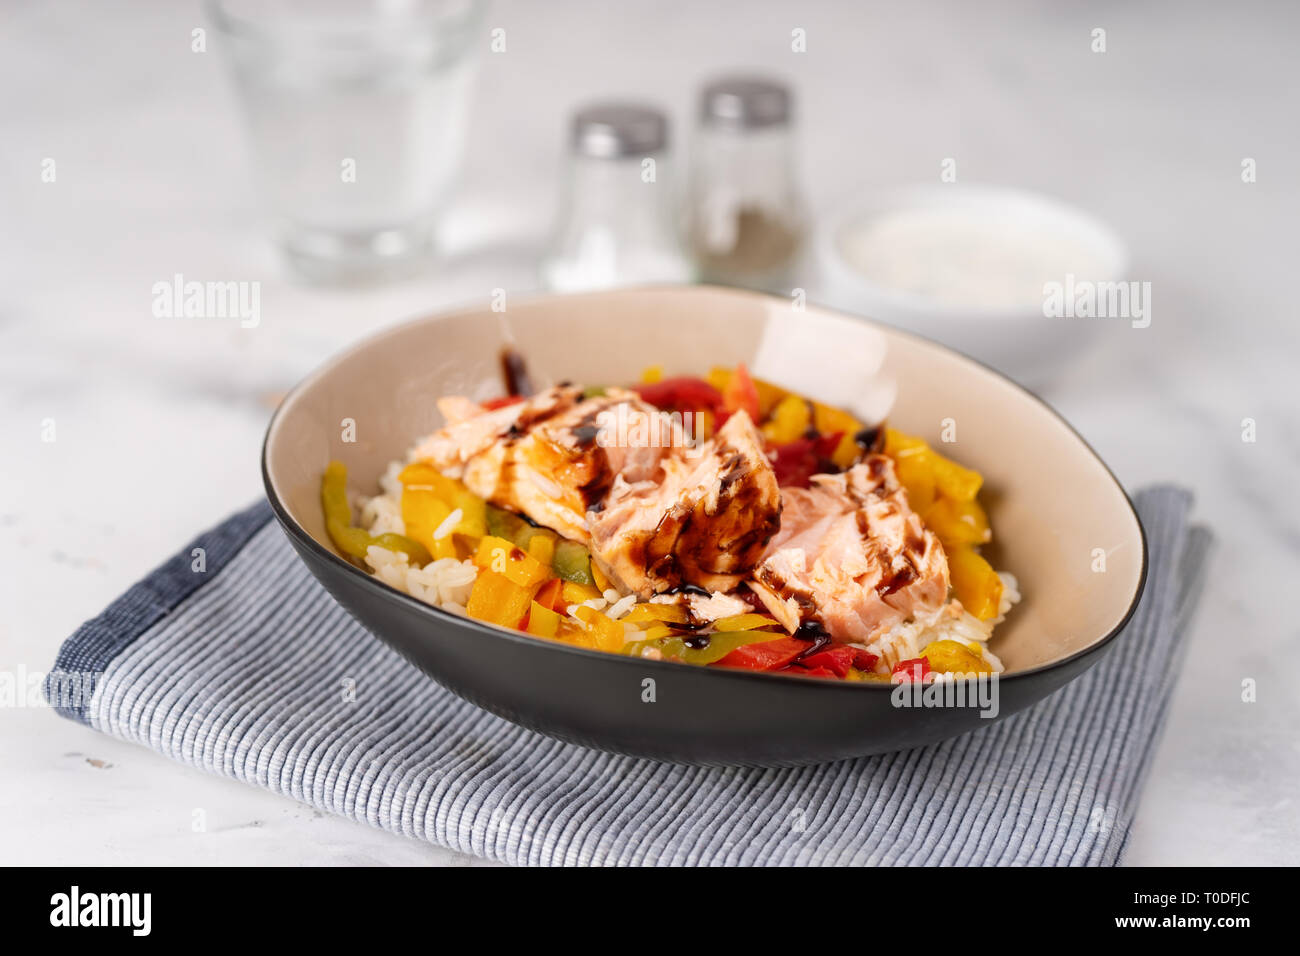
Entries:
{"x":238,"y":669}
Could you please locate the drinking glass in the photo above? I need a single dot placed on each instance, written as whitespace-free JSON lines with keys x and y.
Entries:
{"x":356,"y":111}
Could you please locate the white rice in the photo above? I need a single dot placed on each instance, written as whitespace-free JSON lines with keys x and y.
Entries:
{"x":906,"y":641}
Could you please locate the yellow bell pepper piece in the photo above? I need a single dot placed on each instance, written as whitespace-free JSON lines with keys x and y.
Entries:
{"x":719,"y":377}
{"x":348,"y":538}
{"x":954,"y":481}
{"x":473,"y":509}
{"x":743,"y":622}
{"x":424,"y":513}
{"x":828,"y":421}
{"x":496,"y":599}
{"x":653,"y":374}
{"x":918,"y":480}
{"x":790,"y":419}
{"x":542,"y":547}
{"x":508,"y":559}
{"x":610,"y":635}
{"x":958,"y":523}
{"x":975,"y":583}
{"x":542,"y":621}
{"x":769,"y":396}
{"x":947,"y":477}
{"x":599,"y":578}
{"x":953,"y":657}
{"x":667,"y":613}
{"x":572,"y":593}
{"x":655,"y":632}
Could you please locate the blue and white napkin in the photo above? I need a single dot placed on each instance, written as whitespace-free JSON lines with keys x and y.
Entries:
{"x":239,"y":669}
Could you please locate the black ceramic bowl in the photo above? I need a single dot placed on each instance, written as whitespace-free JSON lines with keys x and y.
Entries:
{"x":1051,"y":502}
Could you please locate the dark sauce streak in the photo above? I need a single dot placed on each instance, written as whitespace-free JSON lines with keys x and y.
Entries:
{"x":897,"y":581}
{"x":690,"y":589}
{"x":871,"y":440}
{"x":812,"y":630}
{"x":697,"y":642}
{"x":515,"y":373}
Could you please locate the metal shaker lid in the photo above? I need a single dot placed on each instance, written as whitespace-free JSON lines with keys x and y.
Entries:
{"x":745,"y":102}
{"x":619,"y":130}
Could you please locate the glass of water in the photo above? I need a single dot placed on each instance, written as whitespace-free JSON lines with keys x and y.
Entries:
{"x":357,"y":111}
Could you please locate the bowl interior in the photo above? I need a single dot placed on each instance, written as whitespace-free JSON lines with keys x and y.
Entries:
{"x":1062,"y":524}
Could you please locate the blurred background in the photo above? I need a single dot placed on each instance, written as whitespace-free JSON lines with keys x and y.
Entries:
{"x":927,"y":164}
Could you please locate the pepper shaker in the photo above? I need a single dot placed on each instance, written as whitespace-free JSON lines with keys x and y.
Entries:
{"x":746,"y":218}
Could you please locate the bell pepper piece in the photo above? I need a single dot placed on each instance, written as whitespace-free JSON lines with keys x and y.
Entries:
{"x":549,"y":595}
{"x":954,"y":657}
{"x":766,"y":656}
{"x":769,"y":396}
{"x":652,"y":374}
{"x":958,"y":523}
{"x":914,"y":670}
{"x":681,"y":395}
{"x":496,"y":599}
{"x":743,"y":622}
{"x":473,"y":509}
{"x":508,"y":559}
{"x":572,"y":562}
{"x":714,"y":648}
{"x":542,"y":621}
{"x":610,"y":635}
{"x":864,"y":660}
{"x":836,"y":660}
{"x":668,"y":613}
{"x":740,"y":393}
{"x":542,"y":547}
{"x":835,"y":421}
{"x":599,"y":578}
{"x":351,"y":540}
{"x":975,"y":583}
{"x":790,"y":421}
{"x":573,"y":593}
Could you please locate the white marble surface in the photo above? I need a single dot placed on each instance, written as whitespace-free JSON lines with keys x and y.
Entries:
{"x":158,"y":423}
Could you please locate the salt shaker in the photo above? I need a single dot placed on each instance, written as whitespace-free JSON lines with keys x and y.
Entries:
{"x":746,"y":218}
{"x":617,"y":225}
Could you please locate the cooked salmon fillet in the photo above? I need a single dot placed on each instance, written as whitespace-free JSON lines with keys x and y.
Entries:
{"x":852,"y":556}
{"x":705,"y":521}
{"x":657,"y":514}
{"x":541,"y":456}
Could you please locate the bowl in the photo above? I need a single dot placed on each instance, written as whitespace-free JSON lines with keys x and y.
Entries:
{"x":966,"y":265}
{"x":1052,"y":504}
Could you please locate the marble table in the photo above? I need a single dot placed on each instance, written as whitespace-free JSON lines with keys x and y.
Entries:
{"x":158,"y":422}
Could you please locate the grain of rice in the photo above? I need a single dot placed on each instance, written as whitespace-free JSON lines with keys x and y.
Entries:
{"x":448,"y":525}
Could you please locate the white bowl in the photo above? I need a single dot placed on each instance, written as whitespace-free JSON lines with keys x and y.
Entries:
{"x":980,"y":289}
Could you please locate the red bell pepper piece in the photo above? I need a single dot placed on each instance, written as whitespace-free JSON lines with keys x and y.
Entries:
{"x":741,"y":393}
{"x":548,"y":595}
{"x":837,"y":658}
{"x":767,"y":656}
{"x":682,"y":395}
{"x":797,"y":461}
{"x":810,"y":671}
{"x":864,"y":660}
{"x":915,"y":669}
